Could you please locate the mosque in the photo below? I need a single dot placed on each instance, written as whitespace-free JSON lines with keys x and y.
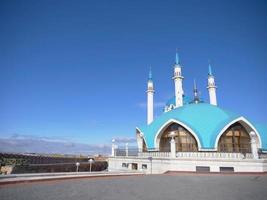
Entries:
{"x":192,"y":135}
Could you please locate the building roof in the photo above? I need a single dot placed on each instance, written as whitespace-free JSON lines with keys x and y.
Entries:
{"x":205,"y":120}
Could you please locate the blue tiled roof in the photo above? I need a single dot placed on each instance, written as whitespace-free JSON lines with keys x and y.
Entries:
{"x":204,"y":119}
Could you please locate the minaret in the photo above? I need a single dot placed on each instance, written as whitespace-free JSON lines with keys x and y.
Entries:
{"x":178,"y":81}
{"x":196,"y":97}
{"x":150,"y":96}
{"x":212,"y":88}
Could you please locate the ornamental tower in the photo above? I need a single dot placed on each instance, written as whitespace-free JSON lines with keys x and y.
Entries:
{"x":212,"y":88}
{"x":196,"y":97}
{"x":150,"y":96}
{"x":178,"y":82}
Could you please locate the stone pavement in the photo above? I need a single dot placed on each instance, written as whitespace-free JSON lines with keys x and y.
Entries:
{"x":148,"y":187}
{"x":20,"y":178}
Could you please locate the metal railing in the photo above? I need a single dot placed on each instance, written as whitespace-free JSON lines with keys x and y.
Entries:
{"x":139,"y":152}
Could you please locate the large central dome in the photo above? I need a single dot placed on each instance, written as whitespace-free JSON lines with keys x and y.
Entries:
{"x":205,"y":120}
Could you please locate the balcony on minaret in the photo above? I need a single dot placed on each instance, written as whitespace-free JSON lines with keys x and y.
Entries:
{"x":150,"y":89}
{"x":177,"y":72}
{"x":211,"y":82}
{"x":150,"y":86}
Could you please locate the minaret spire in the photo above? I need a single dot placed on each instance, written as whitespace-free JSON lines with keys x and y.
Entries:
{"x":212,"y":87}
{"x":177,"y":62}
{"x":150,"y":98}
{"x":196,"y":97}
{"x":150,"y":74}
{"x":210,"y":71}
{"x":195,"y":85}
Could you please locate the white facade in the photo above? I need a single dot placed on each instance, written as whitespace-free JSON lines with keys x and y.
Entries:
{"x":159,"y":165}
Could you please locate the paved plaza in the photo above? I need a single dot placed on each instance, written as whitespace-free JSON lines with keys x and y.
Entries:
{"x":162,"y":187}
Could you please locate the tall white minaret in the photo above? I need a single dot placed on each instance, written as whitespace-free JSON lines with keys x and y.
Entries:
{"x":178,"y":81}
{"x":150,"y":96}
{"x":212,"y":88}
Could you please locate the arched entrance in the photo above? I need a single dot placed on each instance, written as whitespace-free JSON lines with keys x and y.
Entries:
{"x":235,"y":139}
{"x":185,"y":141}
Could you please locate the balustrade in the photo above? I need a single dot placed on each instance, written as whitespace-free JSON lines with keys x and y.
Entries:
{"x":159,"y":154}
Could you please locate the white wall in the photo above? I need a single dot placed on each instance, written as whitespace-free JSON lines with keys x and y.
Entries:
{"x":161,"y":165}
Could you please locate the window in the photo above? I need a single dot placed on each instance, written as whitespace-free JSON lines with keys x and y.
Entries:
{"x":202,"y":169}
{"x":184,"y":140}
{"x":227,"y":169}
{"x":144,"y":166}
{"x":235,"y":139}
{"x":134,"y":166}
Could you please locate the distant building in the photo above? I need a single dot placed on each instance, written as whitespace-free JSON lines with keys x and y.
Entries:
{"x":192,"y":135}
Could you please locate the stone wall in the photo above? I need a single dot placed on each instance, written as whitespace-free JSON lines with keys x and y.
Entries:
{"x":162,"y":165}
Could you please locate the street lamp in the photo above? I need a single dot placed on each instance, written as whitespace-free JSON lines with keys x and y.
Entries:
{"x":91,"y":162}
{"x":150,"y":159}
{"x":77,"y":166}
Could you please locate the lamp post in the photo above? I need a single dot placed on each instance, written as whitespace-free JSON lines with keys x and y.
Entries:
{"x":150,"y":159}
{"x":113,"y":148}
{"x":91,"y":162}
{"x":77,"y":166}
{"x":126,"y":150}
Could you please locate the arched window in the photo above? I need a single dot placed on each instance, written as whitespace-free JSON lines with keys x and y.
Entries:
{"x":235,"y":139}
{"x":184,"y":140}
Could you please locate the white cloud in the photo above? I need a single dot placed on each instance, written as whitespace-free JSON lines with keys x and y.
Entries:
{"x":19,"y":143}
{"x":125,"y":139}
{"x":33,"y":137}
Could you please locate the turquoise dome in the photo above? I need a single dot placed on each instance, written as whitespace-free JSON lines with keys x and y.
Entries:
{"x":205,"y":120}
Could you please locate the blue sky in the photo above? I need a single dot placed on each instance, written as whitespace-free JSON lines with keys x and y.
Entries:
{"x":77,"y":70}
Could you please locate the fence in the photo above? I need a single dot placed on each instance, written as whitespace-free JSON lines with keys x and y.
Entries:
{"x":166,"y":154}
